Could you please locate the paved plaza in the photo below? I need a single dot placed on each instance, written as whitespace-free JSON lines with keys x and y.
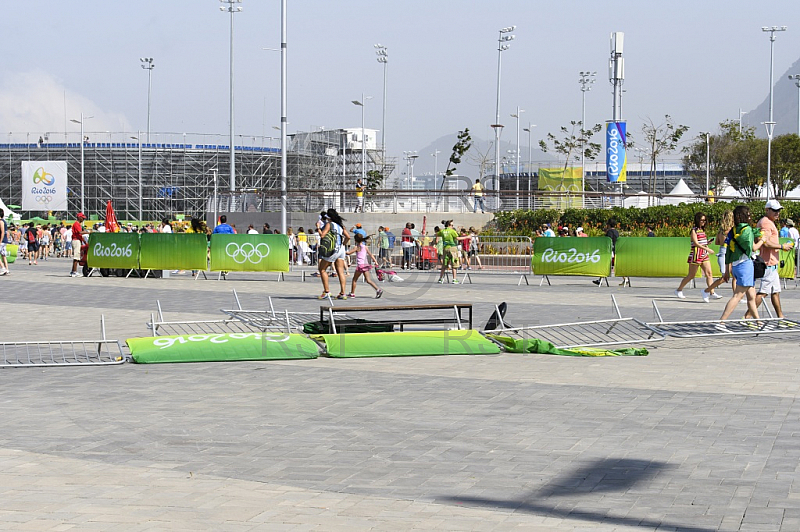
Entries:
{"x":700,"y":435}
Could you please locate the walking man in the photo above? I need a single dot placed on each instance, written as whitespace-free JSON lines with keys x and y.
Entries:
{"x":477,"y":191}
{"x":771,"y":282}
{"x":77,"y":242}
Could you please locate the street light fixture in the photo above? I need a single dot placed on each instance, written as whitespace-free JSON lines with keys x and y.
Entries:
{"x":435,"y":156}
{"x":383,"y":57}
{"x":796,"y":78}
{"x":770,"y":125}
{"x":147,"y":64}
{"x":411,"y":156}
{"x":517,"y":116}
{"x":232,"y":8}
{"x":586,"y":80}
{"x":361,"y":103}
{"x":83,"y":141}
{"x":503,"y":41}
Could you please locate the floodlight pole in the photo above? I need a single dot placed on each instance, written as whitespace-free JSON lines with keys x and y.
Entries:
{"x":770,"y":125}
{"x":383,"y":57}
{"x":147,"y":64}
{"x":231,"y":9}
{"x":502,"y":45}
{"x":586,"y":80}
{"x":796,"y":78}
{"x":284,"y":173}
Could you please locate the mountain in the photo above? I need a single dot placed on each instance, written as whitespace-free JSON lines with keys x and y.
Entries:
{"x":784,"y":107}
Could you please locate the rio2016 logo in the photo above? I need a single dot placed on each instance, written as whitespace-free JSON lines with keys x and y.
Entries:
{"x":570,"y":256}
{"x":43,"y":177}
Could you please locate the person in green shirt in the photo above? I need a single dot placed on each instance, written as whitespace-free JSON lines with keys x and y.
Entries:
{"x":450,"y":251}
{"x":383,"y":251}
{"x":743,"y":242}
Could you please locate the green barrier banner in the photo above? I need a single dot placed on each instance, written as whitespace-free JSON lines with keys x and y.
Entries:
{"x":589,"y":256}
{"x":171,"y":251}
{"x":657,"y":257}
{"x":788,"y":258}
{"x":250,"y":253}
{"x":113,"y":250}
{"x":537,"y":345}
{"x":222,"y":347}
{"x":417,"y":343}
{"x":13,"y":251}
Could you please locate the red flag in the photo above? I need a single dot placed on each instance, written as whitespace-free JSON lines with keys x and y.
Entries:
{"x":111,"y":219}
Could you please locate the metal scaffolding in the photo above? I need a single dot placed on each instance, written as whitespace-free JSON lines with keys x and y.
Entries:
{"x":178,"y":178}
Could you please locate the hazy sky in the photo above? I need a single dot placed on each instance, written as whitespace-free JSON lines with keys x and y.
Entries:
{"x":699,"y":61}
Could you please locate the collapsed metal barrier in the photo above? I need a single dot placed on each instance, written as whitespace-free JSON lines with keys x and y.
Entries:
{"x":597,"y":333}
{"x":241,"y":320}
{"x":727,"y":328}
{"x":62,"y":352}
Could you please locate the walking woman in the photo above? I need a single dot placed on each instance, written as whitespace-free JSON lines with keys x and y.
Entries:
{"x":698,"y":258}
{"x":335,"y":255}
{"x":742,"y":245}
{"x":722,"y":240}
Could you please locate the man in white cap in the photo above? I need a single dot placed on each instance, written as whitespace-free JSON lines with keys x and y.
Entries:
{"x":771,"y":283}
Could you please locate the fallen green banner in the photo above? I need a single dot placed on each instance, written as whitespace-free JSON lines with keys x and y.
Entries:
{"x":113,"y":250}
{"x":250,"y":253}
{"x":788,"y":259}
{"x":657,"y":257}
{"x":173,"y":251}
{"x":589,"y":256}
{"x":416,"y":343}
{"x":537,"y":345}
{"x":222,"y":347}
{"x":13,"y":251}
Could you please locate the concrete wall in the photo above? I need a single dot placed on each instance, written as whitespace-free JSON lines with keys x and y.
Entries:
{"x":370,"y":221}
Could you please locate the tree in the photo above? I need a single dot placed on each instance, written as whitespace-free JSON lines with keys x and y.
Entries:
{"x":719,"y":145}
{"x":461,"y":147}
{"x":785,"y":164}
{"x":572,"y":144}
{"x":374,"y":180}
{"x":659,"y":140}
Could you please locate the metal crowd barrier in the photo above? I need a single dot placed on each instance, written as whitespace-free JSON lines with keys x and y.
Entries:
{"x":62,"y":352}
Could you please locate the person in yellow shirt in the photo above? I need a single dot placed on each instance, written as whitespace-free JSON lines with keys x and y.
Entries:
{"x":359,"y":196}
{"x":477,"y":191}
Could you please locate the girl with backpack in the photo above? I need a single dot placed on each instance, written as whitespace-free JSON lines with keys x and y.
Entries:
{"x":333,"y":238}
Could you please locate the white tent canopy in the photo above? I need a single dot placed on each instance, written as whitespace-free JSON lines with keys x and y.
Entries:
{"x":14,"y":216}
{"x":674,"y":196}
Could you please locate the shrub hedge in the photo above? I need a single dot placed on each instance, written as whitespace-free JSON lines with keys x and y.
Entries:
{"x":666,"y":220}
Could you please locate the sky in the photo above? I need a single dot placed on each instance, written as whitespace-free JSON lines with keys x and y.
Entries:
{"x":698,"y":61}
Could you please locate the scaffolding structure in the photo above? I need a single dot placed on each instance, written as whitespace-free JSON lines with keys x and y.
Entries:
{"x":152,"y":180}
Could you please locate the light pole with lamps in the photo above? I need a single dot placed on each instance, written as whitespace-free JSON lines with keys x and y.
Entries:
{"x":529,"y":130}
{"x":383,"y":57}
{"x":411,"y":156}
{"x":796,"y":78}
{"x":741,"y":114}
{"x":517,"y":116}
{"x":586,"y":80}
{"x":435,"y":156}
{"x":147,"y":64}
{"x":361,"y":103}
{"x":232,"y":8}
{"x":770,"y":125}
{"x":284,"y":122}
{"x":502,"y":45}
{"x":83,"y":118}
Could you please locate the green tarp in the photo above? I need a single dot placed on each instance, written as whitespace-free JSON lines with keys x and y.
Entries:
{"x":222,"y":347}
{"x":416,"y":343}
{"x":536,"y":345}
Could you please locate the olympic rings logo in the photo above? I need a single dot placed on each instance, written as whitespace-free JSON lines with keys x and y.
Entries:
{"x":253,"y":253}
{"x":44,"y":199}
{"x":41,"y":176}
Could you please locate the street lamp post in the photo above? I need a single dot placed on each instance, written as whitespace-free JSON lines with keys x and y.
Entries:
{"x":529,"y":130}
{"x":796,"y":78}
{"x":361,"y":103}
{"x":502,"y":45}
{"x":147,"y":64}
{"x":83,"y":118}
{"x":383,"y":57}
{"x":586,"y":80}
{"x":232,"y":8}
{"x":284,"y":155}
{"x":741,"y":114}
{"x":517,"y":115}
{"x":435,"y":156}
{"x":770,"y":125}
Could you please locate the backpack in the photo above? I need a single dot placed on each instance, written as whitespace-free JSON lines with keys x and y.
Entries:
{"x":328,"y":244}
{"x":31,"y":236}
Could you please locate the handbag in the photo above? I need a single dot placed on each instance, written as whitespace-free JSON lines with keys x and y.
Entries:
{"x":759,"y":266}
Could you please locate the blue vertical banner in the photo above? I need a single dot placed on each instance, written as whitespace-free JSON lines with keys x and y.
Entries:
{"x":616,"y":154}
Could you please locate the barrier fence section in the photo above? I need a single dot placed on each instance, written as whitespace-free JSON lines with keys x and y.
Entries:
{"x":250,"y":253}
{"x":589,"y":256}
